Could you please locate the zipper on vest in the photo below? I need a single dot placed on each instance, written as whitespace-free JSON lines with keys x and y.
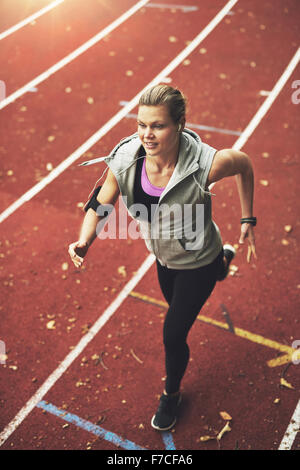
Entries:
{"x":159,"y":202}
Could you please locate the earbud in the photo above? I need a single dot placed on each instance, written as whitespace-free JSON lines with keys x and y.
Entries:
{"x":179,"y":128}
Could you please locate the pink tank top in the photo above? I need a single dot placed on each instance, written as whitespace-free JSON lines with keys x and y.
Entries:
{"x":147,"y":186}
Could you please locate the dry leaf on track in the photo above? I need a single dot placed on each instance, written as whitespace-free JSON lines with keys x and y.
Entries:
{"x":122,"y":271}
{"x":51,"y":325}
{"x":226,"y":416}
{"x":285,"y":383}
{"x":226,"y":428}
{"x":206,"y":438}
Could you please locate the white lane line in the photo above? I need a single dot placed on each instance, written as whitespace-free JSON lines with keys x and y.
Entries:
{"x":292,"y":429}
{"x":184,"y":8}
{"x":117,"y":117}
{"x":59,"y":371}
{"x":30,"y":18}
{"x":268,"y":101}
{"x":73,"y":55}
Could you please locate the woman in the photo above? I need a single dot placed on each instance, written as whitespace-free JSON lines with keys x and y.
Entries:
{"x":162,"y":167}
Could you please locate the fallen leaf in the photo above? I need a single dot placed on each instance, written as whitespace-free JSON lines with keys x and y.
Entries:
{"x":226,"y":428}
{"x":233,"y":268}
{"x":85,"y":329}
{"x":51,"y":138}
{"x":135,"y":356}
{"x":51,"y":325}
{"x":288,"y":228}
{"x":226,"y":416}
{"x":264,"y":182}
{"x":79,"y":383}
{"x":122,"y":271}
{"x":90,"y":100}
{"x":285,"y":383}
{"x":172,"y":39}
{"x":65,"y":266}
{"x":205,"y":438}
{"x":285,"y":242}
{"x":277,"y":400}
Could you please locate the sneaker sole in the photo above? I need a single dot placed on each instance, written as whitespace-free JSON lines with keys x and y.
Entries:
{"x":162,"y":429}
{"x":168,"y":427}
{"x":230,"y":248}
{"x":233,"y":252}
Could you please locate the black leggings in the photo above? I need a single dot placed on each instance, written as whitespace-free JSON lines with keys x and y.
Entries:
{"x":186,"y":291}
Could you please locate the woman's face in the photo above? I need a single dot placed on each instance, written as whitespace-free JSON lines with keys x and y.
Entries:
{"x":157,"y":131}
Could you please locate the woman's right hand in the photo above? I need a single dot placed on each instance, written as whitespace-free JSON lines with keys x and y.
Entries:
{"x":77,"y":252}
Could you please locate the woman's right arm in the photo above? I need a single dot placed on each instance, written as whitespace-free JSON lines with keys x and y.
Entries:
{"x":108,"y":194}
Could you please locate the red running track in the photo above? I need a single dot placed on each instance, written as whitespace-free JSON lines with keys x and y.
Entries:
{"x":223,"y":79}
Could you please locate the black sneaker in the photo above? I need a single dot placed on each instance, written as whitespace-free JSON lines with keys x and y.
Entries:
{"x":166,"y":414}
{"x":229,"y":253}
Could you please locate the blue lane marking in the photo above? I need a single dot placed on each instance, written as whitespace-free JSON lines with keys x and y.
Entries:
{"x":90,"y":427}
{"x":168,"y":440}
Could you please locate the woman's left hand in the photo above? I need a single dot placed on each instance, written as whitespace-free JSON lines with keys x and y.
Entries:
{"x":247,"y":231}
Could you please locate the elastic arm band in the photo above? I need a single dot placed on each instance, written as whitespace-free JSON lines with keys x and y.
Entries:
{"x":93,"y":202}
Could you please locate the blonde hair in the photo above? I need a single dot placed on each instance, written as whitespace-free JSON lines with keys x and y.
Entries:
{"x":166,"y":95}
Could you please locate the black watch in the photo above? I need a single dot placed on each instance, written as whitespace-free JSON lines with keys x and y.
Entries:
{"x":249,"y":220}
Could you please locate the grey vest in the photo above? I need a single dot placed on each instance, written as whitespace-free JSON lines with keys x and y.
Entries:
{"x":182,"y":234}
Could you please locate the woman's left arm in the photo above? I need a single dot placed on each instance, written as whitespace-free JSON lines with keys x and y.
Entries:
{"x":230,"y":162}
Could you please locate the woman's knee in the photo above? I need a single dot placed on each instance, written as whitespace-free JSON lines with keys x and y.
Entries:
{"x":174,"y":339}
